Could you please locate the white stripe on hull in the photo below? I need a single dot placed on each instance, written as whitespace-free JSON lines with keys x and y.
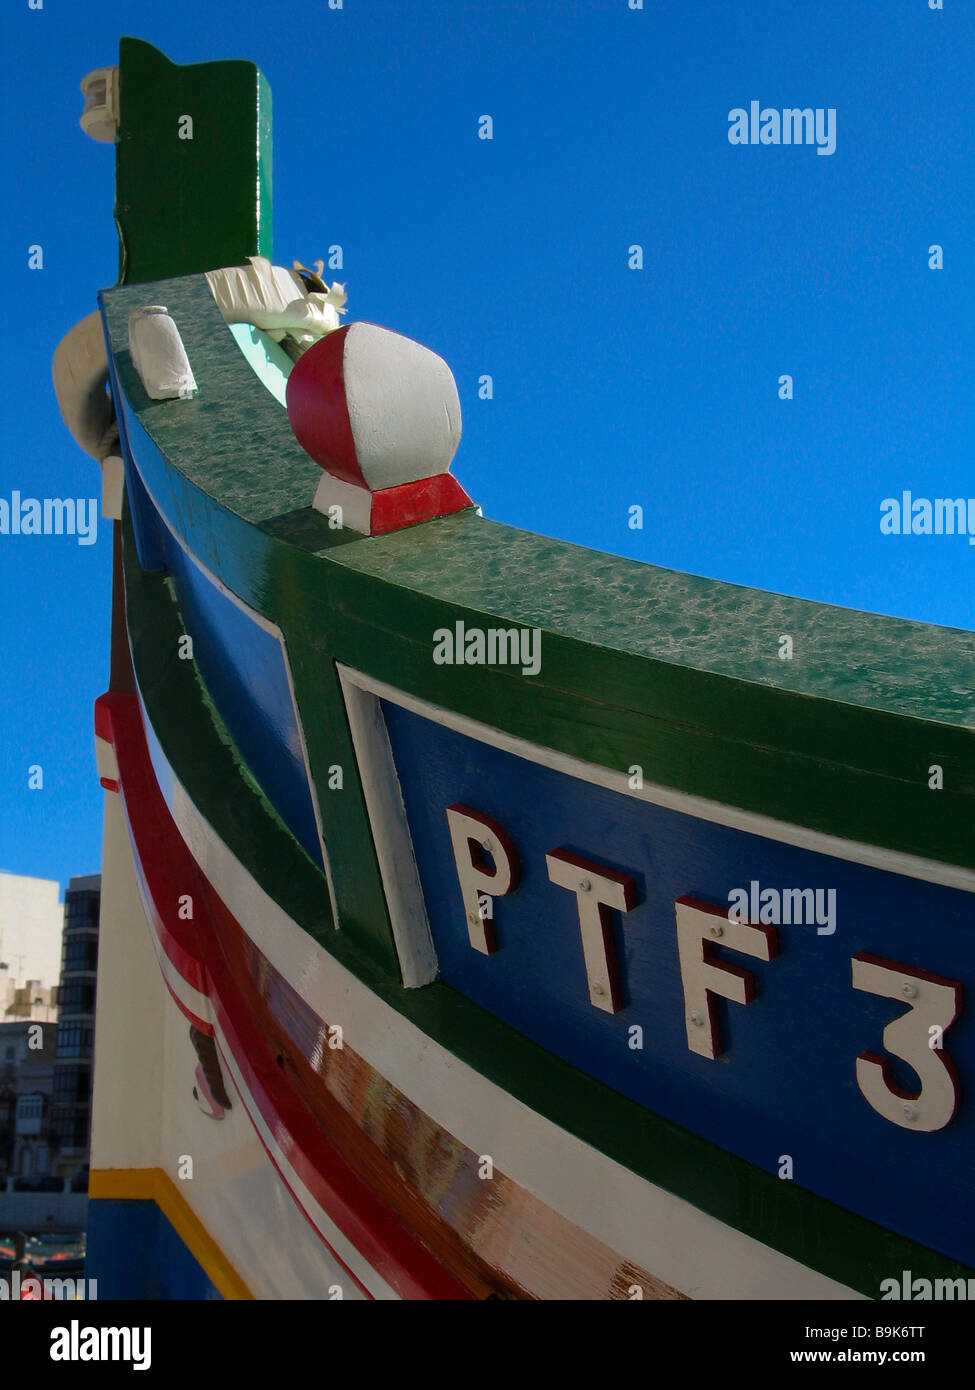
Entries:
{"x":337,"y":1242}
{"x":688,"y":1249}
{"x":144,"y":1115}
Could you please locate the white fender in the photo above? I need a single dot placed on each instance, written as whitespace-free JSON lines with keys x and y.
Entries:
{"x":80,"y":371}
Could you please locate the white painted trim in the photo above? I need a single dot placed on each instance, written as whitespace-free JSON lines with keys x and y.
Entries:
{"x":106,"y":763}
{"x":391,"y":836}
{"x":113,"y":485}
{"x":819,"y":842}
{"x":144,"y":1116}
{"x":198,"y":1004}
{"x":334,"y":1238}
{"x":274,"y":631}
{"x":669,"y":1237}
{"x":356,"y":502}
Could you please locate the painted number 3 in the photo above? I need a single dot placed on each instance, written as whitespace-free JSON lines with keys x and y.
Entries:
{"x":915,"y":1037}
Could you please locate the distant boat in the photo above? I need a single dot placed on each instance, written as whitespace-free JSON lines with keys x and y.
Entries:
{"x":482,"y":916}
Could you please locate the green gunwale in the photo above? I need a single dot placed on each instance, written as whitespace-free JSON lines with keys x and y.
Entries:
{"x":815,"y":1232}
{"x":674,"y":672}
{"x":633,"y":671}
{"x":640,"y":665}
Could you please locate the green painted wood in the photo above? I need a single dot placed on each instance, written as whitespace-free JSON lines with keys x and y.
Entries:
{"x":155,"y":629}
{"x":260,"y":474}
{"x":185,"y":205}
{"x":640,"y":665}
{"x":780,"y":1214}
{"x":677,"y":673}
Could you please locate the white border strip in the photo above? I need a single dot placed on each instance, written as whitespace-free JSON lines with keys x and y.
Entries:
{"x":334,"y":1238}
{"x":198,"y":1004}
{"x":391,"y":837}
{"x":818,"y":841}
{"x":691,"y":1251}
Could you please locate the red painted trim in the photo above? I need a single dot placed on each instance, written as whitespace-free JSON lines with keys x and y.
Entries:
{"x":249,"y":1099}
{"x":104,"y":706}
{"x":319,"y":411}
{"x":199,"y":1023}
{"x":150,"y":910}
{"x":407,"y":504}
{"x":367,"y":1221}
{"x":598,"y":870}
{"x":167,"y":869}
{"x":103,"y":731}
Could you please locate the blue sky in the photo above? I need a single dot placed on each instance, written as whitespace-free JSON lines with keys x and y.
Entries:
{"x":509,"y":257}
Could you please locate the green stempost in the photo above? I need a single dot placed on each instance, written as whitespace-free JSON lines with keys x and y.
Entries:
{"x":193,"y":164}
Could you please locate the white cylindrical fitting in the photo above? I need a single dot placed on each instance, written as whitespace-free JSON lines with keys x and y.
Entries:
{"x":158,"y":354}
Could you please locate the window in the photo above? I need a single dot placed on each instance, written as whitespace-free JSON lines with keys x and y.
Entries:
{"x":81,"y":909}
{"x":77,"y":997}
{"x":80,"y":953}
{"x":72,"y":1083}
{"x":74,"y":1039}
{"x":71,"y":1128}
{"x":64,"y":1127}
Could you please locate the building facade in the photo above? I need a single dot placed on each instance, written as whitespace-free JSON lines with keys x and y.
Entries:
{"x":71,"y":1118}
{"x":27,"y":1141}
{"x":31,"y":921}
{"x":31,"y":924}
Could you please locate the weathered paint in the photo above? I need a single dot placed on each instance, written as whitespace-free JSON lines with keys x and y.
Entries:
{"x":785,"y":1080}
{"x":815,"y":1232}
{"x":642,"y":666}
{"x":431,"y":1181}
{"x":677,"y":675}
{"x":145,"y":1121}
{"x":647,"y":1225}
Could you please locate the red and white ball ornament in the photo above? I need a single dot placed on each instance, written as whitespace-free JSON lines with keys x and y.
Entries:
{"x":380,"y":414}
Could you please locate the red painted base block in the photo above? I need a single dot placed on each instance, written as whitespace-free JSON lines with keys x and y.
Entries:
{"x":396,"y":508}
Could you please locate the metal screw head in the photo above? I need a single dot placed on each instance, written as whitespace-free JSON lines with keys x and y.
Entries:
{"x":697,"y":1020}
{"x":909,"y":1112}
{"x":908,"y":990}
{"x":599,"y":989}
{"x":473,"y":918}
{"x":717,"y":929}
{"x":584,"y":885}
{"x":487,"y":844}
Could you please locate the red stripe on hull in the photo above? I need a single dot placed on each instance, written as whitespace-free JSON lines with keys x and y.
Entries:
{"x":207,"y":950}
